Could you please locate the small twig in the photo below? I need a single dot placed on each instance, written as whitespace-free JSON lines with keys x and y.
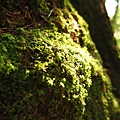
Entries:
{"x":11,"y":13}
{"x":27,"y":26}
{"x":5,"y":28}
{"x":50,"y":13}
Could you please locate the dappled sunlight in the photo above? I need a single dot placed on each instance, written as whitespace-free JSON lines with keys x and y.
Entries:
{"x":111,"y":7}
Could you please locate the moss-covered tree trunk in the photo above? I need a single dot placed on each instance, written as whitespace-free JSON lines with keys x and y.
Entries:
{"x":44,"y":73}
{"x":94,"y":12}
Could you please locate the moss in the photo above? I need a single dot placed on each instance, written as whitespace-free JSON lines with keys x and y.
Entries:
{"x":48,"y":73}
{"x":49,"y":67}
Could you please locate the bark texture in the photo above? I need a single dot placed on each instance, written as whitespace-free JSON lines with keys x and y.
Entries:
{"x":94,"y":13}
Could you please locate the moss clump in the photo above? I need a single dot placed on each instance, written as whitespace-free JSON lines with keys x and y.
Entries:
{"x":49,"y":74}
{"x":45,"y":72}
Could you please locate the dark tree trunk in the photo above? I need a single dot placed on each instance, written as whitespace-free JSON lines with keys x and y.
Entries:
{"x":94,"y":12}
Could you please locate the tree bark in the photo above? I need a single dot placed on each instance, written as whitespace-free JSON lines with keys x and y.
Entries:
{"x":94,"y":13}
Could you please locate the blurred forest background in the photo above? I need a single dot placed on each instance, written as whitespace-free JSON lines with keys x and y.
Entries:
{"x":113,"y":10}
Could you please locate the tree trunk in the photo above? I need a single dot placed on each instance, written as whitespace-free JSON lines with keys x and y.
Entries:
{"x":94,"y":13}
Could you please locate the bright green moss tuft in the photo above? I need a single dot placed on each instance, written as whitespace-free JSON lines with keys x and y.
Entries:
{"x":45,"y":72}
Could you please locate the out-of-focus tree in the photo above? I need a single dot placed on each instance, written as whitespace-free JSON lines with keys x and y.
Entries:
{"x":94,"y":12}
{"x":115,"y":23}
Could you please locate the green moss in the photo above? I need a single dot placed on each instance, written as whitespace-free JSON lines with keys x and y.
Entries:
{"x":48,"y":73}
{"x":53,"y":72}
{"x":51,"y":62}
